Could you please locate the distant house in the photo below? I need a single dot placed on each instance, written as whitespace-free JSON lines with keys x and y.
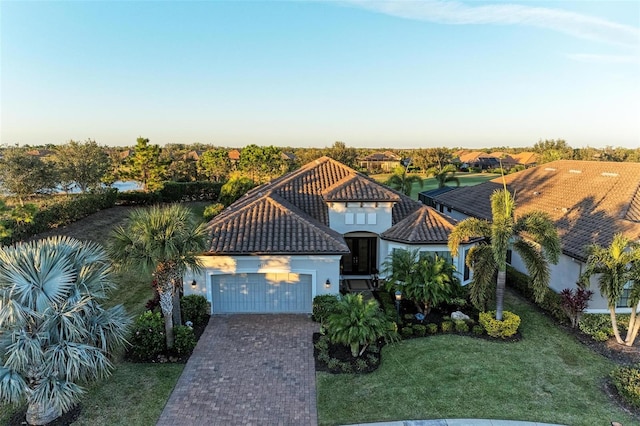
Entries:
{"x":526,"y":159}
{"x":380,"y":162}
{"x":193,"y":155}
{"x":313,"y":231}
{"x":588,"y":201}
{"x":477,"y":160}
{"x":234,"y":157}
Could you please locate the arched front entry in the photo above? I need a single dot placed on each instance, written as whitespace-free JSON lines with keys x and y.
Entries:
{"x":363,"y":256}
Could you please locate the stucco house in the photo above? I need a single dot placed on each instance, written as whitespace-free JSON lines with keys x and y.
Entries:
{"x":589,"y":202}
{"x":308,"y":233}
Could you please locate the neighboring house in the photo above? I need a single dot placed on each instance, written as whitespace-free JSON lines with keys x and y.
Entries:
{"x":308,"y":233}
{"x":526,"y":159}
{"x":234,"y":157}
{"x":478,"y":160}
{"x":380,"y":161}
{"x":589,"y":202}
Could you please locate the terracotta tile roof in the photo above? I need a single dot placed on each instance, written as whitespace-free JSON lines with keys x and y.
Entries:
{"x":423,"y":226}
{"x":268,"y":217}
{"x":589,"y":201}
{"x":382,"y":156}
{"x":271,"y":225}
{"x":525,"y":158}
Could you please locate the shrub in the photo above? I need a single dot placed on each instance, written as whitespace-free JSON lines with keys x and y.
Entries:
{"x":323,"y":306}
{"x":362,"y":364}
{"x":419,"y":330}
{"x":432,"y":328}
{"x":172,"y":192}
{"x":185,"y":340}
{"x":447,"y":326}
{"x":333,"y":364}
{"x":212,"y":211}
{"x":477,"y":330}
{"x":627,"y":382}
{"x":137,"y":198}
{"x":574,"y":302}
{"x":503,"y":329}
{"x":195,"y":308}
{"x":407,"y":331}
{"x":551,"y":303}
{"x":598,"y":326}
{"x":147,"y":337}
{"x":461,"y":326}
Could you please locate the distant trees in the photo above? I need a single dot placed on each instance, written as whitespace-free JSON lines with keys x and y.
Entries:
{"x":340,"y":152}
{"x":262,"y":164}
{"x":82,"y":164}
{"x":552,"y":150}
{"x":431,"y":158}
{"x":23,"y":174}
{"x":215,"y":164}
{"x":145,"y":166}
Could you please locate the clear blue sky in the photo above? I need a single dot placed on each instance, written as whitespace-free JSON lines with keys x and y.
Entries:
{"x":371,"y":74}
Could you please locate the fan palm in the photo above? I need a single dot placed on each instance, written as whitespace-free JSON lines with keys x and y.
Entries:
{"x":403,"y":182}
{"x":617,"y":265}
{"x":541,"y":246}
{"x":54,"y":333}
{"x":163,"y":241}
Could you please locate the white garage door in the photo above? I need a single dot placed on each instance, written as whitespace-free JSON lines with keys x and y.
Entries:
{"x":260,"y":293}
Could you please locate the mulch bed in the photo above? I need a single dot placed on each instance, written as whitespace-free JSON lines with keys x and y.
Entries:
{"x":343,"y":354}
{"x":19,"y":418}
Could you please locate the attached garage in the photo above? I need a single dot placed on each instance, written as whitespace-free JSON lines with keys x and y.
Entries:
{"x":261,"y":293}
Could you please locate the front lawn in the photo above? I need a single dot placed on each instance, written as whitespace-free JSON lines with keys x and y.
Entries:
{"x":546,"y":377}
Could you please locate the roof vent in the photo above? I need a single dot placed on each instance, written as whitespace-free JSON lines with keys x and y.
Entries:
{"x":536,"y":193}
{"x":565,"y":209}
{"x":575,"y":171}
{"x":610,"y":174}
{"x":550,"y":169}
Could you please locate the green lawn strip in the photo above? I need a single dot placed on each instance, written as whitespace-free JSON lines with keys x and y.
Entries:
{"x":546,"y":377}
{"x":134,"y":395}
{"x":466,"y":179}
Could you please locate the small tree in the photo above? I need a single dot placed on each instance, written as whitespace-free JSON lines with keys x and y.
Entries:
{"x":357,"y":323}
{"x":403,"y":182}
{"x":235,"y":188}
{"x":54,"y":334}
{"x":574,"y":302}
{"x":616,"y":266}
{"x":84,"y":164}
{"x":23,"y":174}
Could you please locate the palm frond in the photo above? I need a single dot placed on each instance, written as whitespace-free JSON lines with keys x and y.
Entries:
{"x":468,"y":229}
{"x":480,"y":260}
{"x":539,"y":227}
{"x":13,"y":388}
{"x":537,"y":267}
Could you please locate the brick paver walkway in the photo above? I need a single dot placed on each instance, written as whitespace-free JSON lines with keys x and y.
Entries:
{"x":248,"y":370}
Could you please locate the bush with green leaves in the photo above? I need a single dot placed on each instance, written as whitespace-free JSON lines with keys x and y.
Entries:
{"x":477,"y":330}
{"x":446,"y":326}
{"x":432,"y":328}
{"x":212,"y":210}
{"x":195,"y":308}
{"x":147,"y":337}
{"x":627,"y":382}
{"x":185,"y":340}
{"x":598,"y":326}
{"x":461,"y":326}
{"x":323,"y":306}
{"x":420,"y":330}
{"x":358,"y":324}
{"x":503,"y":329}
{"x":407,"y":331}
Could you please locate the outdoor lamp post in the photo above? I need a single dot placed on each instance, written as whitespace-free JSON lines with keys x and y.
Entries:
{"x":398,"y":299}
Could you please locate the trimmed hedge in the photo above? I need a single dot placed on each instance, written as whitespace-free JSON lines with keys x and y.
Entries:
{"x":503,"y":329}
{"x":323,"y":306}
{"x":59,"y":213}
{"x":138,"y":198}
{"x":195,"y":308}
{"x":172,"y":192}
{"x":552,"y":302}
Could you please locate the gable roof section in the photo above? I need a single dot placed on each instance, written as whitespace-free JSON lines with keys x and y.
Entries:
{"x":589,"y":201}
{"x":423,"y":226}
{"x":294,"y":206}
{"x":271,"y":225}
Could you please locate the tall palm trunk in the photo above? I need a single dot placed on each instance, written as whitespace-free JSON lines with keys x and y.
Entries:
{"x":634,"y":326}
{"x":166,"y":304}
{"x":41,"y":414}
{"x":614,"y":324}
{"x":500,"y":286}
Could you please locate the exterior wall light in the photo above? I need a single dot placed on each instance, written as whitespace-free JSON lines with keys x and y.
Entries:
{"x":327,"y":284}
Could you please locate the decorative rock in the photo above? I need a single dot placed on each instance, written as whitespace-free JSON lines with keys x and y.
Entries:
{"x":457,"y":315}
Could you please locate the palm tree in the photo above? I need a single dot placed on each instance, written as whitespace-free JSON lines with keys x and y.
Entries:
{"x":163,"y":241}
{"x":444,"y":175}
{"x":541,"y":246}
{"x":357,"y":324}
{"x":426,"y":281}
{"x":617,"y":265}
{"x":54,"y":333}
{"x":402,"y":182}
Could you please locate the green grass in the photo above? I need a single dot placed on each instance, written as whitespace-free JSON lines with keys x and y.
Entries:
{"x":466,"y":179}
{"x":547,"y":377}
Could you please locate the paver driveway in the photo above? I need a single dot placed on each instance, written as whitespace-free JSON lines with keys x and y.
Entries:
{"x":248,"y":370}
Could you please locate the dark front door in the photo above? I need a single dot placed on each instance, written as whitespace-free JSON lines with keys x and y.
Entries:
{"x":362,"y":259}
